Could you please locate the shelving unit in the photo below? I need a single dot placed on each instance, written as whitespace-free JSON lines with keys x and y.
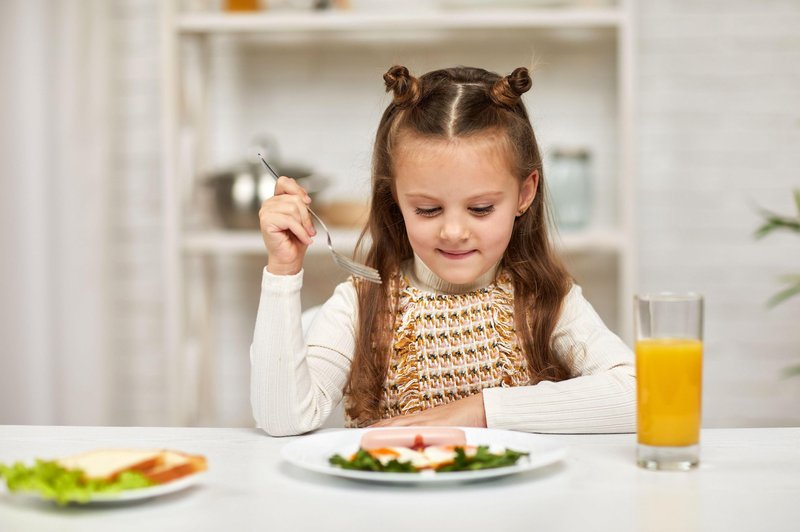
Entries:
{"x":186,"y":82}
{"x":338,"y":21}
{"x":250,"y":242}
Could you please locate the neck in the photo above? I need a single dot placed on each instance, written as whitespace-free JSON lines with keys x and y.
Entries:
{"x":422,"y":277}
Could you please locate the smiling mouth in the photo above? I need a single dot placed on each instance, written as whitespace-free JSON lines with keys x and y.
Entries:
{"x":456,"y":254}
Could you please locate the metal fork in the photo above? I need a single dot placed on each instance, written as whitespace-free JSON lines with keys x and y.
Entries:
{"x":356,"y":268}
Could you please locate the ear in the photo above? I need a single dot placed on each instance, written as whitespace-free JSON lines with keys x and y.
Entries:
{"x":527,"y":192}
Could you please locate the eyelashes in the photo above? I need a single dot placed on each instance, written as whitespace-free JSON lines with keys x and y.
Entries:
{"x":477,"y":211}
{"x":428,"y":213}
{"x":482,"y":211}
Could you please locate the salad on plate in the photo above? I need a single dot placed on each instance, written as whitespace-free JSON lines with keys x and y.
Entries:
{"x":423,"y":449}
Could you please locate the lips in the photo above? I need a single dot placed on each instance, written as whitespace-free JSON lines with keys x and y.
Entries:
{"x":456,"y":254}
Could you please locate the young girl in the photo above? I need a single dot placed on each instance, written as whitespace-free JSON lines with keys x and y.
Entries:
{"x":476,"y":323}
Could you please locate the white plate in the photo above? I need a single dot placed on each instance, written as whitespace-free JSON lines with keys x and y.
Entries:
{"x":129,"y":495}
{"x":312,"y":453}
{"x":152,"y":491}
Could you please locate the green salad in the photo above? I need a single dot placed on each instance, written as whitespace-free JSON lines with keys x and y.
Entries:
{"x":481,"y":459}
{"x":54,"y":482}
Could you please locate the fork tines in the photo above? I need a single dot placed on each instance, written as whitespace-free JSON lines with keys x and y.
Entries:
{"x":359,"y":270}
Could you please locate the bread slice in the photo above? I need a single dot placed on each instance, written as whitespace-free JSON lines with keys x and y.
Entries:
{"x":175,"y":465}
{"x":108,"y":464}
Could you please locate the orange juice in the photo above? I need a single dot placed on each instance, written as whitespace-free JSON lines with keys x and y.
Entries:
{"x":669,"y":385}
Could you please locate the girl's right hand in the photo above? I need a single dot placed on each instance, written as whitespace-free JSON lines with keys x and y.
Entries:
{"x":286,"y":227}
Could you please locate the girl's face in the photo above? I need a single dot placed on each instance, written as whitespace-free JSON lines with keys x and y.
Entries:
{"x":459,"y":199}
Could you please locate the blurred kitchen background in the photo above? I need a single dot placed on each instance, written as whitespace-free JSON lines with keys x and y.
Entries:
{"x":131,"y":264}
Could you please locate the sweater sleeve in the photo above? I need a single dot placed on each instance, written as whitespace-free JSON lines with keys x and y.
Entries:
{"x":601,"y":396}
{"x":296,"y":381}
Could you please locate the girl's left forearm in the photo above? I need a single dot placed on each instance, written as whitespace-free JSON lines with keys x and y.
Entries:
{"x":467,"y":412}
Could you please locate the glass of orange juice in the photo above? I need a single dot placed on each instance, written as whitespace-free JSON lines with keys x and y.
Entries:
{"x":669,"y":374}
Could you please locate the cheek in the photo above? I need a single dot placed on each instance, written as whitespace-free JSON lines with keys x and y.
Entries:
{"x":498,"y":239}
{"x":414,"y":229}
{"x":417,"y":232}
{"x":498,"y":234}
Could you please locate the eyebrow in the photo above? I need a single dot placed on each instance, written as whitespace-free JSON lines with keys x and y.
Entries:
{"x":483,"y":195}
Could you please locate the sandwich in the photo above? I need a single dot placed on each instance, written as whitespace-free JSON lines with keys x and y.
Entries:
{"x":158,"y":466}
{"x":78,"y":477}
{"x":175,"y":465}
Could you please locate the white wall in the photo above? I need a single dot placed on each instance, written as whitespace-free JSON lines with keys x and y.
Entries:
{"x":719,"y":125}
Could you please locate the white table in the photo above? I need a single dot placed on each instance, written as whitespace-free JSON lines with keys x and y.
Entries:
{"x":749,"y":481}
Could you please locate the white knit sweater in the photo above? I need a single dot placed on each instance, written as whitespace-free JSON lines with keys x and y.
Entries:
{"x":296,"y":382}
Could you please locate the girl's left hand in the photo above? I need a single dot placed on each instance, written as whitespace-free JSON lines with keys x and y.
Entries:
{"x":467,"y":412}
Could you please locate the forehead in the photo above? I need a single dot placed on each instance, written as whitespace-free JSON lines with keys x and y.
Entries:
{"x":486,"y":144}
{"x":486,"y":155}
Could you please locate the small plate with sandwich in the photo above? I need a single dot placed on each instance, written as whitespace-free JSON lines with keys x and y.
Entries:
{"x":106,"y":475}
{"x":422,"y":454}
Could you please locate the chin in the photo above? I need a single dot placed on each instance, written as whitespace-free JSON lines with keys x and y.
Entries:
{"x":453,"y":276}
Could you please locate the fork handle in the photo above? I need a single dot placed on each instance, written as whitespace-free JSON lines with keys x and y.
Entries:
{"x":316,"y":217}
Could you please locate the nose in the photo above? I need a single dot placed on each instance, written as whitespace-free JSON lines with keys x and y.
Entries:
{"x":454,"y":228}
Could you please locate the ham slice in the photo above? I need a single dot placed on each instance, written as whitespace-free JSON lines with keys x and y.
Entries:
{"x":418,"y":437}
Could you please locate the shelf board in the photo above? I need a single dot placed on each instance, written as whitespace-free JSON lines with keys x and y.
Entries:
{"x":590,"y":240}
{"x":250,"y":242}
{"x":353,"y":21}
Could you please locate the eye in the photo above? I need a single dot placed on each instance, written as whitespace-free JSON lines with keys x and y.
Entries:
{"x":427,"y":212}
{"x":482,"y":211}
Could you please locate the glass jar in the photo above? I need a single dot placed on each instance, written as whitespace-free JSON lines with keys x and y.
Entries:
{"x":569,"y":181}
{"x":242,"y":5}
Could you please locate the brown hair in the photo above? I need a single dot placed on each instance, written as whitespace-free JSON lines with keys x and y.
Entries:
{"x":446,"y":104}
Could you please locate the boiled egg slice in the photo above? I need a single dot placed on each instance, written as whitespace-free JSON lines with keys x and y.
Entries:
{"x":431,"y":457}
{"x":441,"y":455}
{"x":402,"y":454}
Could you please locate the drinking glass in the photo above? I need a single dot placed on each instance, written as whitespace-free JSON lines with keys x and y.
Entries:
{"x":669,"y":371}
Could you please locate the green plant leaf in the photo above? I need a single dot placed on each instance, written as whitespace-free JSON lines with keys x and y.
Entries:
{"x":774,"y":221}
{"x":764,"y":230}
{"x":797,"y":199}
{"x":791,"y":371}
{"x":771,"y":223}
{"x":784,"y":294}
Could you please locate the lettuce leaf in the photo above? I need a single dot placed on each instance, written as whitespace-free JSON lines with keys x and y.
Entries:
{"x":483,"y":459}
{"x":51,"y":481}
{"x":363,"y":461}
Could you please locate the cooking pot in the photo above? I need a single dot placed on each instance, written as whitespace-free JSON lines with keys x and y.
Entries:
{"x":239,"y":191}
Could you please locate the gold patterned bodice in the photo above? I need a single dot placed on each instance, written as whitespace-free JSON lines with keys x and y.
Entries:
{"x":450,"y":346}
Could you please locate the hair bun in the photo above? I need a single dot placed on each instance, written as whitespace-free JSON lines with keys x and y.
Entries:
{"x":405,"y":86}
{"x":508,"y":90}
